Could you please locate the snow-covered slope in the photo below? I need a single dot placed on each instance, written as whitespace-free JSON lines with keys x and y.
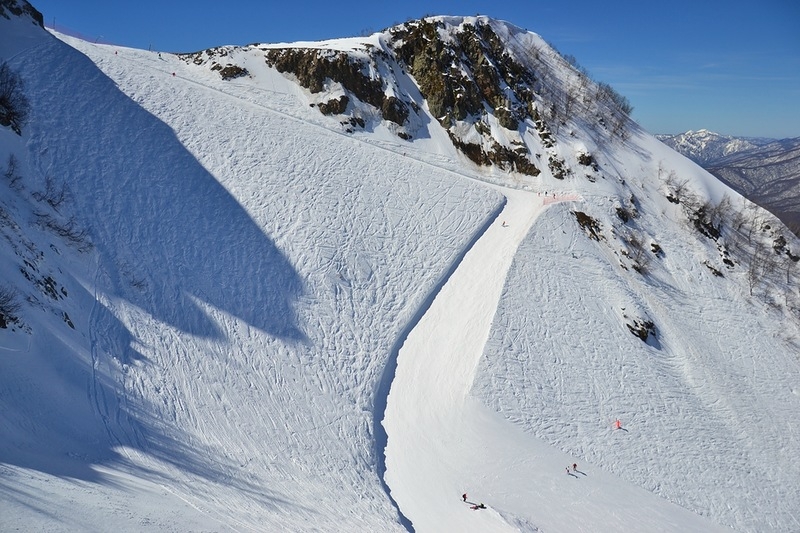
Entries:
{"x":766,"y":171}
{"x":238,"y":313}
{"x":768,"y":175}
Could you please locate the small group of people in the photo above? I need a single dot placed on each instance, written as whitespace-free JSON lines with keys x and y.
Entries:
{"x":475,"y":506}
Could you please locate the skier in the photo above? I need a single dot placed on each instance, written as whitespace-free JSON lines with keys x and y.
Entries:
{"x":574,"y":467}
{"x":617,"y":424}
{"x":464,"y":496}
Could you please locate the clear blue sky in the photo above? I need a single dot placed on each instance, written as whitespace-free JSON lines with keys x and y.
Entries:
{"x":732,"y":67}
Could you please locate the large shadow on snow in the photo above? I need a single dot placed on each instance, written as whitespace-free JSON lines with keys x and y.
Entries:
{"x":171,"y":241}
{"x":171,"y":238}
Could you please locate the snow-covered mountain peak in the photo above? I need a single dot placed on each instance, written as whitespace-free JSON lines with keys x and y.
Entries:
{"x":502,"y":96}
{"x":704,"y":146}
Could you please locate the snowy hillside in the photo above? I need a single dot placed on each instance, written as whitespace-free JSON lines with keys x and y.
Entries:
{"x":768,"y":175}
{"x":233,"y":310}
{"x":765,"y":171}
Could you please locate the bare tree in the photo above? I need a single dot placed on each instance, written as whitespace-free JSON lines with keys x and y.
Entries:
{"x":789,"y":265}
{"x":755,"y":219}
{"x":757,"y":266}
{"x":676,"y":188}
{"x":9,"y":306}
{"x":12,"y":172}
{"x":718,"y":213}
{"x":14,"y":105}
{"x":71,"y":231}
{"x":639,"y":255}
{"x":53,"y":195}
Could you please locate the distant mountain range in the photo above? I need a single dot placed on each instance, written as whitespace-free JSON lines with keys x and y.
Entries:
{"x":767,"y":171}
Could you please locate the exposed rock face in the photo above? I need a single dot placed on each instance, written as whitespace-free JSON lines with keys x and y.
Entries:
{"x":214,"y":57}
{"x":336,"y":106}
{"x":229,"y":72}
{"x":466,"y":76}
{"x":466,"y":79}
{"x":314,"y":68}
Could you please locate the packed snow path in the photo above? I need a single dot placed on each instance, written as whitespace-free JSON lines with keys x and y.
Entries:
{"x":426,"y":407}
{"x":441,"y":442}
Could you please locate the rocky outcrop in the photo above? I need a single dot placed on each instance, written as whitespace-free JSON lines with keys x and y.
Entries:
{"x":214,"y":58}
{"x":470,"y":75}
{"x":337,"y":106}
{"x":465,"y":74}
{"x":469,"y":82}
{"x":314,"y":68}
{"x":229,"y":72}
{"x":464,"y":80}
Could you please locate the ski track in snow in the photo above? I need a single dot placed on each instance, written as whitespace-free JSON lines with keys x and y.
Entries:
{"x":427,"y":410}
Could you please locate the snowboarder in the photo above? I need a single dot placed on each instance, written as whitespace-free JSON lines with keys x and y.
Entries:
{"x":464,"y":496}
{"x":617,"y":424}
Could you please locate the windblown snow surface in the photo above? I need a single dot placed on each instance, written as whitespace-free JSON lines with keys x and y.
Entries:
{"x":284,"y":327}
